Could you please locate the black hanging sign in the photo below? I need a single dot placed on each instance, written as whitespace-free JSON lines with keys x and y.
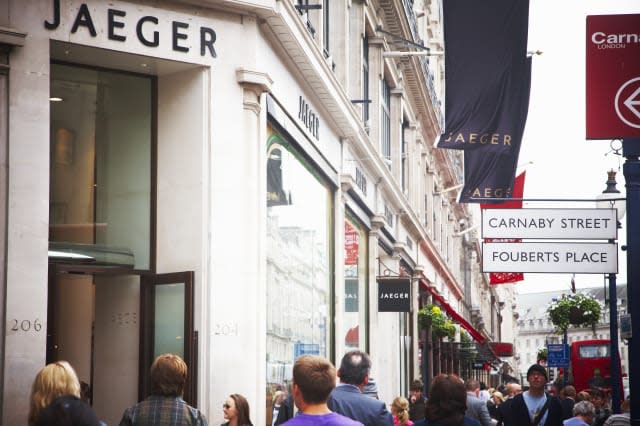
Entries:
{"x":394,"y":294}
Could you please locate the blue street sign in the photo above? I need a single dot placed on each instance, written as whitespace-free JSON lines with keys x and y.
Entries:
{"x":557,"y":355}
{"x":300,"y":349}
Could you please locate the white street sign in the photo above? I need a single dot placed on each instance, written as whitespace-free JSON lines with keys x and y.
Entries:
{"x":590,"y":224}
{"x":578,"y":258}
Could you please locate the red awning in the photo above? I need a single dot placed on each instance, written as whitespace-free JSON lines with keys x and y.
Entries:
{"x":477,"y":336}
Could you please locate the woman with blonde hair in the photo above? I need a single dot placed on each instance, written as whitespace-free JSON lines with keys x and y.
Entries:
{"x":400,"y":411}
{"x":53,"y":381}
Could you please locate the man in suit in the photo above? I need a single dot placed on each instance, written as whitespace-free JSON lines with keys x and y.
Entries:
{"x":347,"y":398}
{"x":568,"y":402}
{"x":534,"y":406}
{"x":476,"y":408}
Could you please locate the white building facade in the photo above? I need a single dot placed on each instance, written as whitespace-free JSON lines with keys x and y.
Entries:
{"x":226,"y":180}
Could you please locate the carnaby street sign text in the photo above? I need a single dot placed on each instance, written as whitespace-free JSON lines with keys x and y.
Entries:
{"x":591,"y":224}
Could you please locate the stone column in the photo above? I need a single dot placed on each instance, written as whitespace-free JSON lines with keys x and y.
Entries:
{"x":9,"y":39}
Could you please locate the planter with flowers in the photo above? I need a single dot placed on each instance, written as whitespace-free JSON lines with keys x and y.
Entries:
{"x":441,"y":326}
{"x":578,"y":310}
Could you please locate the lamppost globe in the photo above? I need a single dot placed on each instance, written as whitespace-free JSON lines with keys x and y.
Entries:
{"x":611,"y":197}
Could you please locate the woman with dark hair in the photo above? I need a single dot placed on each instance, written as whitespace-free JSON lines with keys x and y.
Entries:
{"x":236,"y":411}
{"x":447,"y":403}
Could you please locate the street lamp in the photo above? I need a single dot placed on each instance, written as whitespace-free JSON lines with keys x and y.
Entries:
{"x":610,"y":198}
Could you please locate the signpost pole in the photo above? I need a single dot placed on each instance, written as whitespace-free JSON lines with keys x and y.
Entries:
{"x":613,"y":336}
{"x":631,"y":169}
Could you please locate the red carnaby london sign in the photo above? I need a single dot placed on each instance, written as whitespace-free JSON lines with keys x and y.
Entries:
{"x":613,"y":76}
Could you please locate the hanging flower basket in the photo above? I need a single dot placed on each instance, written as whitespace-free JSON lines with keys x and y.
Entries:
{"x":542,"y":355}
{"x":578,"y":310}
{"x":441,"y":326}
{"x":576,"y":316}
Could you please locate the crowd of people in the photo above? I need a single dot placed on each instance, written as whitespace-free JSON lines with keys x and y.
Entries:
{"x":57,"y":399}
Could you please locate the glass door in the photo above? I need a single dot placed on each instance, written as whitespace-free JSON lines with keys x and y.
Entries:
{"x":167,"y":322}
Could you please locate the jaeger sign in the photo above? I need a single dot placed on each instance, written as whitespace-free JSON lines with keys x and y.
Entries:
{"x":120,"y":24}
{"x":394,"y":294}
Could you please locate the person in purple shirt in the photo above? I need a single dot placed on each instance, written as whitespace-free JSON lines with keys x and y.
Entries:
{"x":313,"y":380}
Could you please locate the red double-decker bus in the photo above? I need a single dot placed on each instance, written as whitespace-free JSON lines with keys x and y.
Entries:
{"x":591,"y":365}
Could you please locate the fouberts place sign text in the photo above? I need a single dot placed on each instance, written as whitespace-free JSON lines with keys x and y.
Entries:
{"x":585,"y":258}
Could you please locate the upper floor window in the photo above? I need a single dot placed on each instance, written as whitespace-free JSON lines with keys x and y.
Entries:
{"x":403,"y":158}
{"x":365,"y":80}
{"x":325,"y":27}
{"x":385,"y":121}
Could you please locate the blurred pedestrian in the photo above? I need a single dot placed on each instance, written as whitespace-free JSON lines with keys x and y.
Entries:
{"x":623,"y":419}
{"x":68,"y":410}
{"x":165,"y":405}
{"x":583,"y":396}
{"x":371,"y":388}
{"x":236,"y":411}
{"x":55,"y":396}
{"x":583,"y":414}
{"x":282,"y":407}
{"x":347,"y":398}
{"x":512,"y":389}
{"x":484,"y":393}
{"x":476,"y":407}
{"x":447,"y":403}
{"x":417,"y":401}
{"x":568,"y":401}
{"x":599,"y":401}
{"x":493,"y":404}
{"x":400,"y":411}
{"x":313,"y":380}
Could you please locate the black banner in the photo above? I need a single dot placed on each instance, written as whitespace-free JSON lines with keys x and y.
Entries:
{"x":485,"y":45}
{"x":490,"y":173}
{"x":394,"y":294}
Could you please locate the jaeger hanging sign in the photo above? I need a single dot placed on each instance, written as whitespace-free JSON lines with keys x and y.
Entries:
{"x":394,"y":294}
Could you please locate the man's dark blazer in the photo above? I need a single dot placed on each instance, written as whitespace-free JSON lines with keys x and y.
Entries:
{"x":349,"y":401}
{"x":567,"y":408}
{"x":515,"y":413}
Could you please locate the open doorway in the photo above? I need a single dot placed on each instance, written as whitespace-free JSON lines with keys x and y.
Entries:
{"x":111,"y":324}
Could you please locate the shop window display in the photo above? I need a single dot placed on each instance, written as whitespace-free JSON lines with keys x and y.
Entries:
{"x":299,"y":277}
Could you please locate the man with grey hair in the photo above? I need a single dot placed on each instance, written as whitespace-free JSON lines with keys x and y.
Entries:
{"x":476,"y":407}
{"x":583,"y":414}
{"x":348,"y":399}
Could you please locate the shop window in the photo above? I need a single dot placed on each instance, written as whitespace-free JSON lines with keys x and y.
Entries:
{"x":299,"y":267}
{"x":355,"y":285}
{"x":100,"y":175}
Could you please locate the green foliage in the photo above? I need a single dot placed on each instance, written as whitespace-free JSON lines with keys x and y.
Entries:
{"x":464,"y":336}
{"x":542,"y":354}
{"x":575,"y":309}
{"x":441,"y":326}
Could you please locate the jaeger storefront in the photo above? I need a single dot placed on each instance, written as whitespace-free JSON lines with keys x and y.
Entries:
{"x":159,"y":200}
{"x":130,"y":127}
